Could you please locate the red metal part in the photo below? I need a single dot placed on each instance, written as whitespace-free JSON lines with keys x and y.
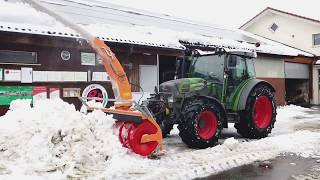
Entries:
{"x":262,"y":112}
{"x":207,"y":124}
{"x":136,"y":135}
{"x":131,"y":136}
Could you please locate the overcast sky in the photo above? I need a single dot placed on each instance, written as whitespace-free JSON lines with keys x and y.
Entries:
{"x":231,"y":13}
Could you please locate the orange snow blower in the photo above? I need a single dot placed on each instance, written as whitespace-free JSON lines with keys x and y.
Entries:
{"x":138,"y":129}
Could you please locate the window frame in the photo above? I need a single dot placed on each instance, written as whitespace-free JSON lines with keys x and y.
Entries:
{"x":313,"y":40}
{"x":270,"y":27}
{"x":21,"y":63}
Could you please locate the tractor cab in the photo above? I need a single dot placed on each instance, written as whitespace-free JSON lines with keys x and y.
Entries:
{"x":223,"y":70}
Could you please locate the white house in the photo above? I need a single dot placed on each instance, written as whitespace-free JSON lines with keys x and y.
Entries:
{"x":295,"y":31}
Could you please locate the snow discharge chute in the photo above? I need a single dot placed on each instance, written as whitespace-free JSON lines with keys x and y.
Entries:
{"x":138,"y":130}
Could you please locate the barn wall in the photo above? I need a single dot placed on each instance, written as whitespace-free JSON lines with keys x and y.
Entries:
{"x":49,"y":49}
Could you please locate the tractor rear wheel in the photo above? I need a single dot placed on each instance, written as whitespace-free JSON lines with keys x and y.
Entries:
{"x":259,"y":116}
{"x":158,"y":108}
{"x":201,"y":123}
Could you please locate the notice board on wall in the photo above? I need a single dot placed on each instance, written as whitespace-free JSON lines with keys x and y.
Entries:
{"x":12,"y":75}
{"x":39,"y":93}
{"x":10,"y":93}
{"x":26,"y":75}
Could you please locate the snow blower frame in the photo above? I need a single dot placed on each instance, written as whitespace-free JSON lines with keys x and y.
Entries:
{"x":138,"y":129}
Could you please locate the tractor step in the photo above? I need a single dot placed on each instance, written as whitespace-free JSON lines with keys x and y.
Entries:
{"x":233,"y":117}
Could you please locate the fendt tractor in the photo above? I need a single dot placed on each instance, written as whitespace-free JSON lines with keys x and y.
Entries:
{"x":212,"y":89}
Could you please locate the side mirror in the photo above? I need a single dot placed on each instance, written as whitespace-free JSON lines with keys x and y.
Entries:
{"x":212,"y":75}
{"x":227,"y":71}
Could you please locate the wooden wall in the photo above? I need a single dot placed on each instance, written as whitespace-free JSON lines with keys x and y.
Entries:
{"x":280,"y":87}
{"x":49,"y":51}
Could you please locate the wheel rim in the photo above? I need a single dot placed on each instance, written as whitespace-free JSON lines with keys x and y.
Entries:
{"x":135,"y":136}
{"x":207,"y":125}
{"x":262,"y":112}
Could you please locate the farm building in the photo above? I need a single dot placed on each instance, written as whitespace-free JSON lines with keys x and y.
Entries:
{"x":40,"y":58}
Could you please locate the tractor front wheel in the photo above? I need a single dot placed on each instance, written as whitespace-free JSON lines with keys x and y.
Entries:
{"x":201,"y":123}
{"x":259,"y":116}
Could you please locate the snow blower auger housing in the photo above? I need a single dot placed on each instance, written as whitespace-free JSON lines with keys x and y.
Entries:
{"x":138,"y":130}
{"x":211,"y":89}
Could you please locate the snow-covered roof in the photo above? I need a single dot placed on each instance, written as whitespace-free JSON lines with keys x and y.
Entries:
{"x":115,"y":23}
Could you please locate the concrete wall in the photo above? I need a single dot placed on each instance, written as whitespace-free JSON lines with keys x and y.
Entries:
{"x":291,"y":31}
{"x":272,"y":71}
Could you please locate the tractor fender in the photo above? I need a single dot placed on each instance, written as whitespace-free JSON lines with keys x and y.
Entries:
{"x":224,"y":112}
{"x":248,"y":88}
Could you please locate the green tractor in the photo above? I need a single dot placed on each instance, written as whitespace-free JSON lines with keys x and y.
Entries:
{"x":210,"y":90}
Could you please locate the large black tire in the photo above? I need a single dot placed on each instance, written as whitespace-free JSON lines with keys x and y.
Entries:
{"x":197,"y":113}
{"x":259,"y":116}
{"x":158,"y":109}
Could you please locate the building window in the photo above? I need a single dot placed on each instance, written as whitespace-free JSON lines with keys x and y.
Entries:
{"x":274,"y":27}
{"x":18,"y":57}
{"x":316,"y":39}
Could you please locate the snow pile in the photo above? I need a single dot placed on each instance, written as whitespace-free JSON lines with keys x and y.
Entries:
{"x":54,"y":137}
{"x":54,"y":141}
{"x":231,"y":143}
{"x":20,"y":104}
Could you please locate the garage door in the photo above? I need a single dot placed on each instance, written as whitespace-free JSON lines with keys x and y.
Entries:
{"x":296,"y":70}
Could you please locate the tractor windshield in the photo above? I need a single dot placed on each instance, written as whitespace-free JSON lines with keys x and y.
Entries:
{"x":207,"y":67}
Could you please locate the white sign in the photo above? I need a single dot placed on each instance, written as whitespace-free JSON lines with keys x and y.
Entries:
{"x":40,"y":76}
{"x":1,"y":74}
{"x":26,"y":75}
{"x":80,"y":76}
{"x":12,"y":75}
{"x":54,"y":76}
{"x":67,"y":76}
{"x":100,"y":76}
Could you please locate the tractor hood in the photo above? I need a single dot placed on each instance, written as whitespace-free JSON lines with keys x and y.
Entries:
{"x":182,"y":86}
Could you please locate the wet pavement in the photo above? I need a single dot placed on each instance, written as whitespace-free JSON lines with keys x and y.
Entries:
{"x":284,"y":167}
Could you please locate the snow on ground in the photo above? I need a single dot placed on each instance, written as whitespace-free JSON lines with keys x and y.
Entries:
{"x":54,"y":141}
